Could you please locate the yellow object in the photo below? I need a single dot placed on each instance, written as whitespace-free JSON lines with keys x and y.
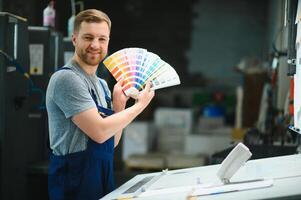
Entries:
{"x":238,"y":134}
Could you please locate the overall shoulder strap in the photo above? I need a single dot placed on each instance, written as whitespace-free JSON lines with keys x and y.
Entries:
{"x":107,"y":97}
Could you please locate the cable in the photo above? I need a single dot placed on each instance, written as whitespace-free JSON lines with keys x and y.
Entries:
{"x":32,"y":86}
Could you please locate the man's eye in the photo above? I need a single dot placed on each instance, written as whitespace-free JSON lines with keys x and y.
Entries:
{"x":88,"y":38}
{"x":103,"y":39}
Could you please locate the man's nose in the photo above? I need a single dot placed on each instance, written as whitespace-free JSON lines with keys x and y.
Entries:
{"x":95,"y":44}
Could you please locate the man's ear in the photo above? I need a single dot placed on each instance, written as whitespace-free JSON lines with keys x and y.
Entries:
{"x":74,"y":38}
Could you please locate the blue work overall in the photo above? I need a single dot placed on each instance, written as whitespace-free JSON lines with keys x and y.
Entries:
{"x":85,"y":175}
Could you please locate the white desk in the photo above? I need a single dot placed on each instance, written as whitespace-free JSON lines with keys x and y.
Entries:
{"x":285,"y":170}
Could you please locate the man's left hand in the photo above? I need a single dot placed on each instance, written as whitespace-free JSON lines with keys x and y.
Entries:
{"x":119,"y":98}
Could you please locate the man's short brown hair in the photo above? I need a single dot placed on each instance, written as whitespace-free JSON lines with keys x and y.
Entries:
{"x":89,"y":16}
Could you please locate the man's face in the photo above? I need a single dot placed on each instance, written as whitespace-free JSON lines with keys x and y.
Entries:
{"x":91,"y":42}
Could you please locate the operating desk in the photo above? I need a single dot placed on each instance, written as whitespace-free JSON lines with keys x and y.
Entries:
{"x":285,"y":171}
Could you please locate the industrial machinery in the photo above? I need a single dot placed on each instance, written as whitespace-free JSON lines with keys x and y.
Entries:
{"x":16,"y":138}
{"x":28,"y":57}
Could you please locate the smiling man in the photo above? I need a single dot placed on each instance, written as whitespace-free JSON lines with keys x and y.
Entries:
{"x":84,"y":124}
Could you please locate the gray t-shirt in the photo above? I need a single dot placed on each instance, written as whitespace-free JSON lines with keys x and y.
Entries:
{"x":68,"y":94}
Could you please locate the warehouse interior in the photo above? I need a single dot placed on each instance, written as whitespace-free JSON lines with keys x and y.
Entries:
{"x":236,"y":60}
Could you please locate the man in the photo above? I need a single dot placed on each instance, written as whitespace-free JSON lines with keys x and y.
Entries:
{"x":83,"y":132}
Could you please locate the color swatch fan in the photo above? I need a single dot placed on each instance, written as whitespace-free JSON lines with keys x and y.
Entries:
{"x":137,"y":66}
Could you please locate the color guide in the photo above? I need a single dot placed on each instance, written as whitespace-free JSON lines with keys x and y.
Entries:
{"x":137,"y":66}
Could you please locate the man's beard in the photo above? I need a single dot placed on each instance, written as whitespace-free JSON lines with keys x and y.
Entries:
{"x":89,"y":58}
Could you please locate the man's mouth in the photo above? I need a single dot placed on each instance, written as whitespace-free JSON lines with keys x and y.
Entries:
{"x":94,"y":53}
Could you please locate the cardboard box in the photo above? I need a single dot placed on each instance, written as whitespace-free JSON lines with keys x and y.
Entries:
{"x":138,"y":138}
